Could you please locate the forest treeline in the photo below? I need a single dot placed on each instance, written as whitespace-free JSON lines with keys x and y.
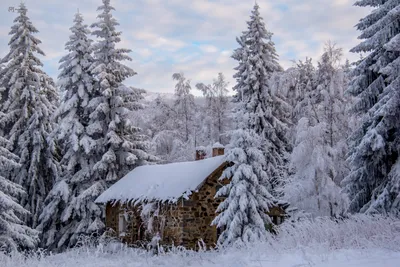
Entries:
{"x":321,"y":135}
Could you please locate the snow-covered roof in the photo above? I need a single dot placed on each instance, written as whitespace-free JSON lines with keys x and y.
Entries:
{"x":166,"y":182}
{"x":218,"y":145}
{"x":200,"y":148}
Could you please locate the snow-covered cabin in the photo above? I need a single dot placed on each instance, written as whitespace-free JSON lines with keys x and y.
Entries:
{"x":172,"y":201}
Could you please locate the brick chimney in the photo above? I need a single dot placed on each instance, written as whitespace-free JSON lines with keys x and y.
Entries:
{"x":200,"y":153}
{"x":217,"y":149}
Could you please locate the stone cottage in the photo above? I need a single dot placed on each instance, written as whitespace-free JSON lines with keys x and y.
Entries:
{"x":174,"y":202}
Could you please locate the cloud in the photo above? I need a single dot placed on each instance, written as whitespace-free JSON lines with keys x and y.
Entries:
{"x":158,"y":41}
{"x":208,"y":48}
{"x":196,"y":37}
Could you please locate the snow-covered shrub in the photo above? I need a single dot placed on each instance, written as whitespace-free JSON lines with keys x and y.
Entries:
{"x":358,"y":231}
{"x":319,"y":242}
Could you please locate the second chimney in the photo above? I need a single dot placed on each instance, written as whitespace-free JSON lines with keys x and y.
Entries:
{"x":200,"y":153}
{"x":218,"y":149}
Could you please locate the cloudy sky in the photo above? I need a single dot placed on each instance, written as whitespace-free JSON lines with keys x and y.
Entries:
{"x":196,"y":37}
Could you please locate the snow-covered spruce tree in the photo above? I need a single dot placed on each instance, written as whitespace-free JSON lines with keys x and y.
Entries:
{"x":243,"y":213}
{"x":14,"y":234}
{"x":123,"y":145}
{"x":184,"y":104}
{"x":270,"y":112}
{"x":26,"y":118}
{"x":374,"y":181}
{"x":318,"y":158}
{"x":2,"y":87}
{"x":216,"y":109}
{"x":63,"y":218}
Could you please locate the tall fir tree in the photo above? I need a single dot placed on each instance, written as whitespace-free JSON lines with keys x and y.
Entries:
{"x":270,"y":112}
{"x":14,"y":234}
{"x":123,"y":146}
{"x":374,"y":181}
{"x":29,"y":102}
{"x":69,"y":211}
{"x":244,"y":211}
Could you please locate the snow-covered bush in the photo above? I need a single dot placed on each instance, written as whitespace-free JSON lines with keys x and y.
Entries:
{"x":356,"y":241}
{"x":358,"y":231}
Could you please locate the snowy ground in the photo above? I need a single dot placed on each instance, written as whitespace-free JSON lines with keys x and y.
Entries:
{"x":359,"y":242}
{"x":295,"y":258}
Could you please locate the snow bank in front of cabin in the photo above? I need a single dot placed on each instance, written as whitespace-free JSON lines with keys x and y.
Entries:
{"x":258,"y":257}
{"x":166,"y":182}
{"x":360,"y":241}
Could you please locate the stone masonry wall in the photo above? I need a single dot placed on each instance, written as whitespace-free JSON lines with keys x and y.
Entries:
{"x":200,"y":210}
{"x":135,"y":233}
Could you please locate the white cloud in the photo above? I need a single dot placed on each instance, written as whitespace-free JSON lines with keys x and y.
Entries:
{"x":208,"y":48}
{"x":161,"y":33}
{"x":158,"y":41}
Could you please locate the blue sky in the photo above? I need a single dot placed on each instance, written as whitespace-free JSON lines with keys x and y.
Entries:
{"x":196,"y":37}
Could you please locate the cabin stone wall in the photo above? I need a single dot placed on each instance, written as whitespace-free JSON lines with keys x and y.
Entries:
{"x":169,"y":220}
{"x":200,"y":210}
{"x":134,"y":230}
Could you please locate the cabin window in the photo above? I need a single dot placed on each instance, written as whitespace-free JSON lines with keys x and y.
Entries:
{"x":122,"y":225}
{"x":277,"y":220}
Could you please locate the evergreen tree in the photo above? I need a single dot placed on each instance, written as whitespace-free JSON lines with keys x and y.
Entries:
{"x":30,"y":98}
{"x":65,"y":217}
{"x":243,"y":212}
{"x":2,"y":86}
{"x":270,"y":112}
{"x":14,"y":234}
{"x":373,"y":183}
{"x":122,"y":142}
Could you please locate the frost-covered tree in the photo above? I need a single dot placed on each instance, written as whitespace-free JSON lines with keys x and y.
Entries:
{"x":243,"y":213}
{"x":216,"y":109}
{"x":168,"y":138}
{"x":123,"y":145}
{"x":317,"y":162}
{"x":269,"y":110}
{"x":61,"y":221}
{"x":184,"y":104}
{"x":26,"y":119}
{"x":311,"y":187}
{"x":14,"y":234}
{"x":304,"y":87}
{"x":374,"y":181}
{"x":2,"y":86}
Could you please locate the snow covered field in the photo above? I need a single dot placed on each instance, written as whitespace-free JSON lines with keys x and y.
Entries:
{"x":239,"y":258}
{"x":358,"y":242}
